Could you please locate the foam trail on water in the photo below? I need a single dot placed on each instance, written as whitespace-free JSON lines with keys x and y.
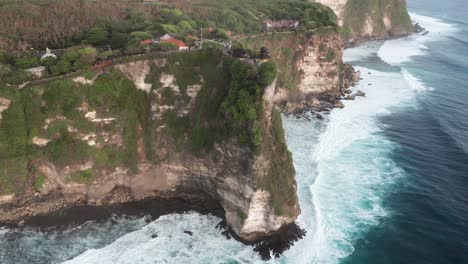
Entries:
{"x":398,"y":51}
{"x":165,"y":241}
{"x":353,"y":170}
{"x":414,"y":83}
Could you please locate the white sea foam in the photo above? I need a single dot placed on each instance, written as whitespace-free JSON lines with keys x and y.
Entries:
{"x":172,"y":245}
{"x":414,"y":83}
{"x":398,"y":51}
{"x":353,"y":170}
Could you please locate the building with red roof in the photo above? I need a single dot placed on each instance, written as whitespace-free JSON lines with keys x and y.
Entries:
{"x":179,"y":43}
{"x":146,"y":42}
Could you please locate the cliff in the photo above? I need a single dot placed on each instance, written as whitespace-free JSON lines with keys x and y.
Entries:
{"x":197,"y":125}
{"x":311,"y":75}
{"x":371,"y":19}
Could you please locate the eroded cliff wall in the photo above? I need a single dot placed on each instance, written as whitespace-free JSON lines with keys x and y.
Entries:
{"x":310,"y":66}
{"x":192,"y":125}
{"x":366,"y":19}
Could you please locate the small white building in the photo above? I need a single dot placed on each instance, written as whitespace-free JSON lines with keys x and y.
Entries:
{"x":37,"y":71}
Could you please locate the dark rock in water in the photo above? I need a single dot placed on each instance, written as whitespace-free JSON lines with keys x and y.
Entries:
{"x":360,"y":93}
{"x":280,"y":242}
{"x":369,"y":73}
{"x":188,"y":233}
{"x":154,"y":236}
{"x":425,"y":33}
{"x":348,"y":91}
{"x":418,"y":28}
{"x":318,"y":116}
{"x":350,"y":97}
{"x":226,"y":234}
{"x":369,"y":84}
{"x":221,"y":225}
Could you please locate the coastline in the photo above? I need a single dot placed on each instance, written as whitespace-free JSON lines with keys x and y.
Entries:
{"x":74,"y":215}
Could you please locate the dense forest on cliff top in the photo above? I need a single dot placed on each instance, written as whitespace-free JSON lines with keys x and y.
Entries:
{"x":87,"y":31}
{"x":59,"y":24}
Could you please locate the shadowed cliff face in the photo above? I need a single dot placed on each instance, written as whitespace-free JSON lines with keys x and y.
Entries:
{"x":367,"y":19}
{"x":165,"y":127}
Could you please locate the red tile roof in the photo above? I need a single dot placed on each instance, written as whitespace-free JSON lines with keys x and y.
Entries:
{"x":146,"y":42}
{"x":178,"y":43}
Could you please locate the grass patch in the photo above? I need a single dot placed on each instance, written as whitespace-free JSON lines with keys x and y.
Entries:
{"x":39,"y":182}
{"x":84,"y":177}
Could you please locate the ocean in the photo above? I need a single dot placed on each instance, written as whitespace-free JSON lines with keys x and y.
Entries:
{"x":384,"y":180}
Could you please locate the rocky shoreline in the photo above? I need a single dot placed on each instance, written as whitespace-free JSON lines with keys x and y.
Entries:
{"x":325,"y":102}
{"x":74,"y":214}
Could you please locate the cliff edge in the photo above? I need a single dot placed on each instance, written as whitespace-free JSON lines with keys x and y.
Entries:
{"x":371,"y":19}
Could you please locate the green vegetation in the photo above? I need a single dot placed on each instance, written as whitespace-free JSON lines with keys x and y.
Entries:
{"x":242,"y":215}
{"x":282,"y":46}
{"x":330,"y":55}
{"x":39,"y":182}
{"x":117,"y":96}
{"x":358,"y":11}
{"x":14,"y":142}
{"x":229,"y":106}
{"x":123,"y":25}
{"x":246,"y":16}
{"x":85,"y":176}
{"x":279,"y":178}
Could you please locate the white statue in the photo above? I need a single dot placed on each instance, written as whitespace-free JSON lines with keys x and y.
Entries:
{"x":48,"y":54}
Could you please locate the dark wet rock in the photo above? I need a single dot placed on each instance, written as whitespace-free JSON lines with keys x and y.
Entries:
{"x":280,"y":242}
{"x":154,"y":236}
{"x":318,"y":116}
{"x":226,"y":234}
{"x":418,"y":28}
{"x":348,"y":91}
{"x":221,"y":225}
{"x":350,"y":97}
{"x":360,"y":93}
{"x":369,"y":84}
{"x":188,"y":233}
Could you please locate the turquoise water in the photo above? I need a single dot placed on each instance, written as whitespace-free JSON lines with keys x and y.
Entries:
{"x":384,"y":180}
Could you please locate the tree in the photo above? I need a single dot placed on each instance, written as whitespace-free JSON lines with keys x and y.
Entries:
{"x":17,"y":77}
{"x":27,"y":62}
{"x":141,"y":35}
{"x":264,"y":53}
{"x":4,"y":70}
{"x":62,"y":67}
{"x":118,"y":40}
{"x":97,"y":36}
{"x":267,"y":73}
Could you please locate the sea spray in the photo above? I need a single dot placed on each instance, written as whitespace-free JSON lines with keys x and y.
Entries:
{"x":173,"y":238}
{"x":399,"y":51}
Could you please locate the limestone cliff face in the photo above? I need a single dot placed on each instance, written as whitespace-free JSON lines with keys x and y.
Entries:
{"x":366,"y":19}
{"x":310,"y":64}
{"x":165,"y":165}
